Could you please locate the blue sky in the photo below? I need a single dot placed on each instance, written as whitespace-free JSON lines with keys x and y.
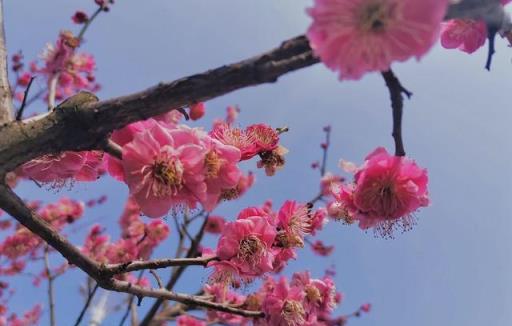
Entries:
{"x":453,"y":268}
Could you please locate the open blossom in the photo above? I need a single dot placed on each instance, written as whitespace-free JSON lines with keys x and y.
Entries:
{"x":284,"y":305}
{"x":247,"y":244}
{"x":293,"y":224}
{"x":164,"y":168}
{"x":221,"y":170}
{"x":386,"y":188}
{"x":467,"y":35}
{"x":54,"y":167}
{"x":236,"y":137}
{"x":359,"y":36}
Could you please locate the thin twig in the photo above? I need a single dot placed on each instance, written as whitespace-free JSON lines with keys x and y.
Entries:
{"x":19,"y":114}
{"x":175,"y":275}
{"x":87,"y":24}
{"x":491,"y":37}
{"x":52,"y":90}
{"x":397,"y":103}
{"x":51,"y":299}
{"x":114,"y":269}
{"x":157,"y":278}
{"x":86,"y":306}
{"x":325,"y":147}
{"x":113,"y":149}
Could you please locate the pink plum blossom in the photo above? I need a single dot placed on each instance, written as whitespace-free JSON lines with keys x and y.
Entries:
{"x":359,"y":36}
{"x":464,"y":34}
{"x":246,"y":243}
{"x":164,"y":168}
{"x":386,"y":188}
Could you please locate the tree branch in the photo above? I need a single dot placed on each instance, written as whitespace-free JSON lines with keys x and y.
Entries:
{"x":397,"y":104}
{"x":13,"y":205}
{"x":88,"y":125}
{"x":156,"y":264}
{"x":6,"y":105}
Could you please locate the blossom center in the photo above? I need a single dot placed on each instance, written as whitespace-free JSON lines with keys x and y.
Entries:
{"x":375,"y":16}
{"x":250,"y":249}
{"x":313,"y":294}
{"x":213,"y":164}
{"x":168,"y":174}
{"x":293,"y":313}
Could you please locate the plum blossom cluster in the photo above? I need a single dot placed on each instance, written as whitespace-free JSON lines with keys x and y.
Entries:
{"x":260,"y":241}
{"x":22,"y":245}
{"x":137,"y":242}
{"x":385,"y":192}
{"x":65,"y":70}
{"x":169,"y":165}
{"x":302,"y":300}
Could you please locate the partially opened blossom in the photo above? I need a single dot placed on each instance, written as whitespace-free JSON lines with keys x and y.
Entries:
{"x":54,"y":168}
{"x":221,"y":170}
{"x":164,"y":168}
{"x":386,"y":189}
{"x":329,"y":180}
{"x":467,"y":35}
{"x":215,"y":224}
{"x":247,"y":244}
{"x":358,"y":36}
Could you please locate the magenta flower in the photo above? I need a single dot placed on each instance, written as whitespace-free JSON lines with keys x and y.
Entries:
{"x":164,"y":168}
{"x":247,"y":244}
{"x":293,"y":224}
{"x":464,"y":34}
{"x":221,"y":170}
{"x":359,"y":36}
{"x":284,"y":305}
{"x":386,"y":189}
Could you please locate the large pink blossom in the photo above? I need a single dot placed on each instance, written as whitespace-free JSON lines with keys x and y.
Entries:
{"x":164,"y":168}
{"x":359,"y":36}
{"x":386,"y":188}
{"x":247,"y":243}
{"x":467,"y":35}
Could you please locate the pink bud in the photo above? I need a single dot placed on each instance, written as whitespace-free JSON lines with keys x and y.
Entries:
{"x":80,"y":17}
{"x":197,"y":111}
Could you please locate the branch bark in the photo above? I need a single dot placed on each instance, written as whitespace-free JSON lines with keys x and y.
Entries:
{"x":6,"y":106}
{"x":87,"y":126}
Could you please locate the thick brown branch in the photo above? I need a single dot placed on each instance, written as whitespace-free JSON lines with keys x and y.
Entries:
{"x":88,"y":125}
{"x":6,"y":106}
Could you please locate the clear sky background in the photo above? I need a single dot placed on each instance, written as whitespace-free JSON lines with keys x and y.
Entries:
{"x":454,"y":268}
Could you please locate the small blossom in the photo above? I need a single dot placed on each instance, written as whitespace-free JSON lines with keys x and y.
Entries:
{"x":197,"y":111}
{"x":464,"y":34}
{"x":80,"y":17}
